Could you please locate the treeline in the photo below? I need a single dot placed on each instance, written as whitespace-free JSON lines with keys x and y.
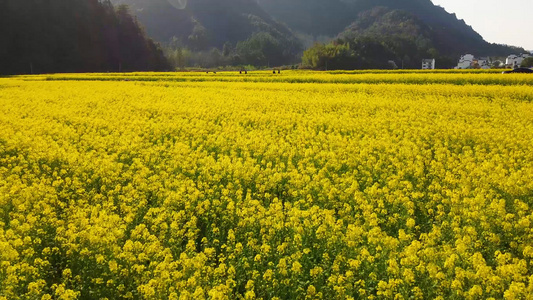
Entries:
{"x":44,"y":36}
{"x":381,"y":38}
{"x":262,"y":49}
{"x":215,"y":33}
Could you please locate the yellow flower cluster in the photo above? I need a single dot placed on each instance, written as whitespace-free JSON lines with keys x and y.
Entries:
{"x":204,"y":186}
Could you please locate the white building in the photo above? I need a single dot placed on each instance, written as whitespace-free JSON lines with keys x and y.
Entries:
{"x":514,"y":61}
{"x":428,"y":64}
{"x":465,"y":62}
{"x":482,"y":62}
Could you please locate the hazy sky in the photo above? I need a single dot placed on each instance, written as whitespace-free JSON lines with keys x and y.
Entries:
{"x":498,"y":21}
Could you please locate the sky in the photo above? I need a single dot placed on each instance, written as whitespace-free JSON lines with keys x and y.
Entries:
{"x":498,"y":21}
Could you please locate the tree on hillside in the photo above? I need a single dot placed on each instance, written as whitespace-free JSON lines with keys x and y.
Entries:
{"x":330,"y":56}
{"x":527,"y":63}
{"x":262,"y":49}
{"x":73,"y":36}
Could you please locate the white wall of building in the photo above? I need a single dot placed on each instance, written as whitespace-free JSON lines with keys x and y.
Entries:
{"x":465,"y":61}
{"x":516,"y":60}
{"x":428,"y":64}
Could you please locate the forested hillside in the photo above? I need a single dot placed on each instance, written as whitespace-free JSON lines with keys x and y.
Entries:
{"x":325,"y":17}
{"x":73,"y":36}
{"x":380,"y":38}
{"x":450,"y":36}
{"x":246,"y":33}
{"x":314,"y":17}
{"x":38,"y":36}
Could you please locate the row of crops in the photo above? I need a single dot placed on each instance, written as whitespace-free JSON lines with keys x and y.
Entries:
{"x":438,"y":77}
{"x":289,"y":186}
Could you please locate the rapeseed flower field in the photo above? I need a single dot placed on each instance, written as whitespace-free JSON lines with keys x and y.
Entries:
{"x":303,"y":185}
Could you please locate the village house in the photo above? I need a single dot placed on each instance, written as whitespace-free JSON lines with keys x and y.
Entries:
{"x":469,"y":61}
{"x":481,"y":63}
{"x":428,"y":64}
{"x":514,"y":61}
{"x":465,"y":62}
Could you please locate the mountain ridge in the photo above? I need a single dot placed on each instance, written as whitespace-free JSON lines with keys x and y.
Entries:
{"x":453,"y":36}
{"x":206,"y":24}
{"x":220,"y":20}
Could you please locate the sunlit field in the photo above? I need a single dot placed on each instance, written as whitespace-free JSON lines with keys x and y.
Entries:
{"x":299,"y":185}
